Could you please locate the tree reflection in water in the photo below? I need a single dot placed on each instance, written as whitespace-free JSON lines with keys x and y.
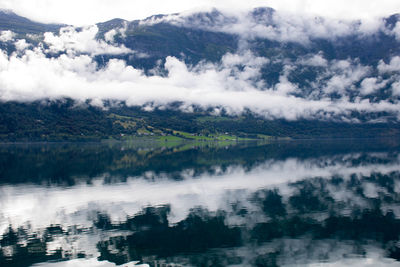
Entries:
{"x":335,"y":206}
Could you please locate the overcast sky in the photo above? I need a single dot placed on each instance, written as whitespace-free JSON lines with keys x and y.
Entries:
{"x":80,"y":12}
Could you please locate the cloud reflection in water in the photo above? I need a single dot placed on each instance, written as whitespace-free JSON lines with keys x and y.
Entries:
{"x":334,"y":208}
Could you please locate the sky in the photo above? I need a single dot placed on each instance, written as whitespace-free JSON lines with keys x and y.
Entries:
{"x":78,"y":12}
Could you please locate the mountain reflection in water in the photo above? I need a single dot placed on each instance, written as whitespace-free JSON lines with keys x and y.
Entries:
{"x":283,"y":203}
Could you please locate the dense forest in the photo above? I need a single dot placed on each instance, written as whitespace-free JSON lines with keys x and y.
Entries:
{"x":65,"y":120}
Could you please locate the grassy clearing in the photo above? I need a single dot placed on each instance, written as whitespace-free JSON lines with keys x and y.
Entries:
{"x":265,"y":137}
{"x":212,"y":119}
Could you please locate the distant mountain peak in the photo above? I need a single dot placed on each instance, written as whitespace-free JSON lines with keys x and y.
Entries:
{"x":19,"y":24}
{"x":6,"y":11}
{"x":262,"y":11}
{"x":392,"y":20}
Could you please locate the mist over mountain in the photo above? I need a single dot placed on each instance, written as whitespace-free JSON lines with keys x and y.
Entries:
{"x":277,"y":68}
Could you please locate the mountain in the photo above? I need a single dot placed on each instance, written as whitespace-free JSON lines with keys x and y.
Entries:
{"x":250,"y":74}
{"x":21,"y":25}
{"x":204,"y":36}
{"x":162,"y":39}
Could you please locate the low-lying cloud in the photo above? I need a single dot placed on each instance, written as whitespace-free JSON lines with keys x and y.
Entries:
{"x":70,"y":40}
{"x":6,"y":36}
{"x":269,"y":24}
{"x":63,"y":65}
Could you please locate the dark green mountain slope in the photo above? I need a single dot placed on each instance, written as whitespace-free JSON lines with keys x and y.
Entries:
{"x":63,"y":120}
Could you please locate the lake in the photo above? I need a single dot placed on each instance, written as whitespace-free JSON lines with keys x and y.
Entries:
{"x":142,"y":203}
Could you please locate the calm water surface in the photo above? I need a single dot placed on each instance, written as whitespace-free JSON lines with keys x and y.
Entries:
{"x":303,"y":203}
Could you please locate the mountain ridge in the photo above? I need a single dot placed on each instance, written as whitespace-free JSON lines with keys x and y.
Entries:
{"x":348,"y":73}
{"x":22,"y":25}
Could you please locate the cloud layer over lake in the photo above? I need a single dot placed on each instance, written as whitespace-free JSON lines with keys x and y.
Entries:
{"x":63,"y":65}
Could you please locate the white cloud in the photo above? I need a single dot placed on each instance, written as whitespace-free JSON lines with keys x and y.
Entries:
{"x":396,"y":31}
{"x":109,"y":36}
{"x":314,"y":60}
{"x":393,"y":66}
{"x":234,"y":84}
{"x":276,"y":26}
{"x":342,"y":9}
{"x":344,"y":73}
{"x":371,"y":85}
{"x":284,"y":87}
{"x":6,"y":36}
{"x":21,"y":44}
{"x":71,"y":40}
{"x":396,"y":88}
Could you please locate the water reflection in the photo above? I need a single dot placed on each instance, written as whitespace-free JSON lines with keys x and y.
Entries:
{"x":293,"y":203}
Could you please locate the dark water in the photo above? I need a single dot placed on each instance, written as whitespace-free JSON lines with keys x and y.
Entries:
{"x":318,"y":203}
